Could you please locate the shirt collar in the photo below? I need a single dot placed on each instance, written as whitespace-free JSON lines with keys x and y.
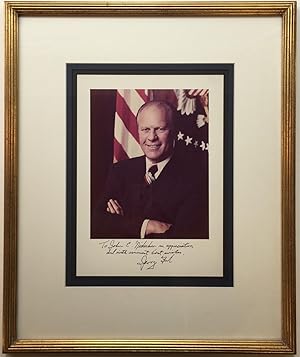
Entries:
{"x":160,"y":165}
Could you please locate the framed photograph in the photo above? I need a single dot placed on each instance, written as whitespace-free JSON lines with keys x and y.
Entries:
{"x":149,"y":177}
{"x":107,"y":248}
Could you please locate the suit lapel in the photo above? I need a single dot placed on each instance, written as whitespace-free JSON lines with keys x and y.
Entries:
{"x":169,"y":172}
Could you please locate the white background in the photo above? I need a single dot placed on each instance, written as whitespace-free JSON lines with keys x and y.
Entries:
{"x":230,"y":313}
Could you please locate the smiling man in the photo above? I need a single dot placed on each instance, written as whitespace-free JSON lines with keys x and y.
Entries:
{"x":158,"y":195}
{"x":156,"y":131}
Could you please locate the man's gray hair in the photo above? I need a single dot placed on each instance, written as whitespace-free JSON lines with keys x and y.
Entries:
{"x":160,"y":105}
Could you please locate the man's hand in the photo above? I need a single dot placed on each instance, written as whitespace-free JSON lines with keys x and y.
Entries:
{"x":114,"y":207}
{"x":157,"y":227}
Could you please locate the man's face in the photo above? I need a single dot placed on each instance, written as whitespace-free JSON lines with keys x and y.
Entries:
{"x":155,"y":133}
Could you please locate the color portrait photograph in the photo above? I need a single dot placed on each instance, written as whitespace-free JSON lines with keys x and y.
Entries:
{"x":149,"y":163}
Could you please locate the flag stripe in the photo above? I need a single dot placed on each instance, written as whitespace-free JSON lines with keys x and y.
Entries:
{"x":120,"y":153}
{"x":142,"y":94}
{"x":127,"y":116}
{"x":132,"y":99}
{"x":124,"y":137}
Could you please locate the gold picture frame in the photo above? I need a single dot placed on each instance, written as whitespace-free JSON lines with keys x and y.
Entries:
{"x":286,"y":11}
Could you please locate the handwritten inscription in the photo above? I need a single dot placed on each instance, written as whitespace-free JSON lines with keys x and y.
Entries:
{"x":148,"y":253}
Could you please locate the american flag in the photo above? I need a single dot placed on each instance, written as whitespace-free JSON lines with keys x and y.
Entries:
{"x":126,"y":142}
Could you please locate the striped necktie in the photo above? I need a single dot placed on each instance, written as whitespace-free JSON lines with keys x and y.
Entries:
{"x":149,"y":177}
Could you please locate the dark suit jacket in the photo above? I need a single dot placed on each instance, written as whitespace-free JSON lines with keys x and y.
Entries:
{"x":179,"y":196}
